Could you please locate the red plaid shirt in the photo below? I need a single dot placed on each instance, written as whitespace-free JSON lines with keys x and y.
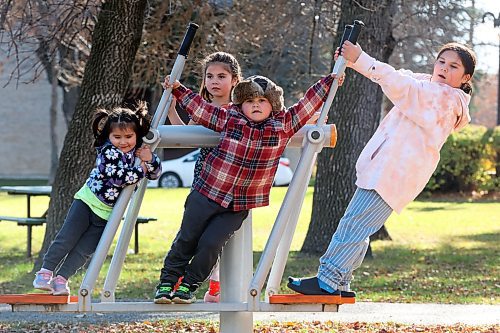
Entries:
{"x":241,"y":169}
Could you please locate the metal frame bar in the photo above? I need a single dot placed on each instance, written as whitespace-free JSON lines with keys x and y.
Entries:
{"x":236,"y":267}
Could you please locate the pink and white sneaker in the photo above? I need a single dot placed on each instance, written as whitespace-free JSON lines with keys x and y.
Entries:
{"x":60,"y":286}
{"x":208,"y":298}
{"x":42,"y":280}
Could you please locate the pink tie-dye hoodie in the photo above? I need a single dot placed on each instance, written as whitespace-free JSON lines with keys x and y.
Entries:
{"x":400,"y":158}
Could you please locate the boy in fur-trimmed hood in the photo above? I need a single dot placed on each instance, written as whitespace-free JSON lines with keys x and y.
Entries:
{"x":237,"y":175}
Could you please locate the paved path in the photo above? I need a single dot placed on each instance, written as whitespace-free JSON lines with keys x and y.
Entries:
{"x":446,"y":314}
{"x":427,"y":314}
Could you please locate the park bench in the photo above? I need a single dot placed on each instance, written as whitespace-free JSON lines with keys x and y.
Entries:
{"x":140,"y":220}
{"x":30,"y":222}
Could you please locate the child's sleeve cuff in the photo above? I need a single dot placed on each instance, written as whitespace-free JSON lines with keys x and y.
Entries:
{"x":365,"y":64}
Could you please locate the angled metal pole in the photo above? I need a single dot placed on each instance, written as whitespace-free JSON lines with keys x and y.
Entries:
{"x":278,"y":266}
{"x":108,"y":292}
{"x":297,"y":188}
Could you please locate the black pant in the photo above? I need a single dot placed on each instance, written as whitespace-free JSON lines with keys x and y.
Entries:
{"x":76,"y":241}
{"x":206,"y":227}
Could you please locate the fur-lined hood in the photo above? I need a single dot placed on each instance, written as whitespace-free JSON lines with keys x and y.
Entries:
{"x":257,"y":86}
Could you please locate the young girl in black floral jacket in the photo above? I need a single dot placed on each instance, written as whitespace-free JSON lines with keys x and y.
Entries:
{"x":118,"y":138}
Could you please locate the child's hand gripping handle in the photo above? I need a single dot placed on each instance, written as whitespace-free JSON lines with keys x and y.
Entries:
{"x":345,"y":35}
{"x":166,"y":98}
{"x":351,"y":33}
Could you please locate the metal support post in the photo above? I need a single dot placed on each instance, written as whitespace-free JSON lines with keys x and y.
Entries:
{"x":496,"y":23}
{"x":88,"y":283}
{"x":236,"y":272}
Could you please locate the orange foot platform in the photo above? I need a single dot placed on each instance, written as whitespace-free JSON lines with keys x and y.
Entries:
{"x":37,"y":299}
{"x":308,"y":299}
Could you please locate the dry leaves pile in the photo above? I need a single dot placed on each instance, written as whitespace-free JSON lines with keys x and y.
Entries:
{"x":213,"y":327}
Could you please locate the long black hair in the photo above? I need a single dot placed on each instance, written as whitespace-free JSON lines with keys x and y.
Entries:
{"x":104,"y":121}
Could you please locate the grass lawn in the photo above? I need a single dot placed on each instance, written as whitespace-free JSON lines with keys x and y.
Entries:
{"x":441,"y":251}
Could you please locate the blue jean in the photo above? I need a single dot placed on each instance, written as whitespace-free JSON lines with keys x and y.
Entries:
{"x":365,"y":215}
{"x":76,"y":241}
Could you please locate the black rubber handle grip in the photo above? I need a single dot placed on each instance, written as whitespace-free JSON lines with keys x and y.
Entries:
{"x":345,"y":35}
{"x":188,"y":39}
{"x":356,"y":30}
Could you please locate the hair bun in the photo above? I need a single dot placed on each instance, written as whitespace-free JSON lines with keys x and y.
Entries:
{"x":467,"y":88}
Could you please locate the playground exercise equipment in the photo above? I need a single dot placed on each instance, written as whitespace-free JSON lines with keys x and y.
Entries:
{"x":240,"y":288}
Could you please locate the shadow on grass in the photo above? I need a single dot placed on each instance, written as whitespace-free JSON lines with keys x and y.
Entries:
{"x":492,"y":237}
{"x":15,"y":271}
{"x":429,"y":209}
{"x":457,"y":204}
{"x":456,"y":198}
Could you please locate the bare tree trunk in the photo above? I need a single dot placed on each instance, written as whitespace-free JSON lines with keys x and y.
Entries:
{"x":472,"y":23}
{"x":114,"y":44}
{"x":53,"y":122}
{"x":70,"y":98}
{"x":71,"y":91}
{"x":356,"y":112}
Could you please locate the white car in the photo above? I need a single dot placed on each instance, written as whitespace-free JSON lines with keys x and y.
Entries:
{"x":179,"y":172}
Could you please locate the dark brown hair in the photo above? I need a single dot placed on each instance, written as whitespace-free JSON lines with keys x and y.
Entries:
{"x":468,"y":58}
{"x":225,"y":59}
{"x":104,"y":121}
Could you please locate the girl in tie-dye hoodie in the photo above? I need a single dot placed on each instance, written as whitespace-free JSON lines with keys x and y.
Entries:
{"x":399,"y":159}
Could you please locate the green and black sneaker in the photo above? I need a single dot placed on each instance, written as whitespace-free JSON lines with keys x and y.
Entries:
{"x":163,"y":293}
{"x":184,"y":294}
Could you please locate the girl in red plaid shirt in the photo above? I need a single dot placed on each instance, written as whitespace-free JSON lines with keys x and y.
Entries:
{"x":237,"y":174}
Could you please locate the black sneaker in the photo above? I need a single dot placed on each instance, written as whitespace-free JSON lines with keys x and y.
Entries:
{"x":184,"y":294}
{"x":347,"y":294}
{"x":163,"y":293}
{"x":309,"y":286}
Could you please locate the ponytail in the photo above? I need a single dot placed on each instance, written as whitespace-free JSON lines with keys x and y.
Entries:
{"x":143,"y":121}
{"x":98,"y":127}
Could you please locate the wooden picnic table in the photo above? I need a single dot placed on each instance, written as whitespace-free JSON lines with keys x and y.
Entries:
{"x":29,"y":221}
